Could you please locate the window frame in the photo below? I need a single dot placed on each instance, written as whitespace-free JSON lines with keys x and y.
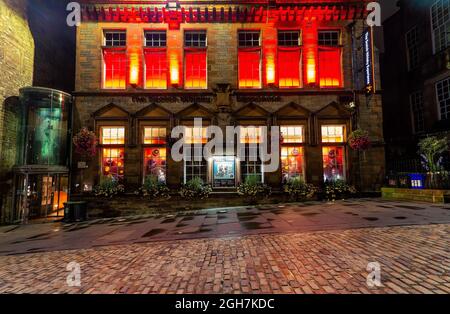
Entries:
{"x":114,"y":31}
{"x":442,"y":25}
{"x":155,"y":31}
{"x":412,"y":47}
{"x":104,"y":147}
{"x":438,"y":102}
{"x":413,"y":103}
{"x":193,"y":50}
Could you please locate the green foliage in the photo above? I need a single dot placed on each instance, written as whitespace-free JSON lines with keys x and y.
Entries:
{"x":109,"y":187}
{"x":298,"y":189}
{"x":252,"y":188}
{"x":338,"y":189}
{"x":154,"y":189}
{"x":431,"y":150}
{"x":195,"y":189}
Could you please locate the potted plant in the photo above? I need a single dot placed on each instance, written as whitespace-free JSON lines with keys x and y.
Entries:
{"x":253,"y":189}
{"x":298,"y":189}
{"x":109,"y":187}
{"x":154,"y":189}
{"x":195,"y":189}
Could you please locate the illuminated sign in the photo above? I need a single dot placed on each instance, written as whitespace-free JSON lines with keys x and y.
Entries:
{"x":369,"y":69}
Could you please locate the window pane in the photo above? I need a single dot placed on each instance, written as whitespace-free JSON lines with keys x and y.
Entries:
{"x":114,"y":70}
{"x":155,"y":163}
{"x":250,"y":135}
{"x":195,"y":64}
{"x":195,"y":135}
{"x":155,"y":39}
{"x":248,"y":38}
{"x":332,"y":134}
{"x":292,"y":162}
{"x":440,"y":23}
{"x":443,"y":94}
{"x":115,"y":38}
{"x":330,"y":67}
{"x":329,"y":38}
{"x":333,"y":163}
{"x":249,"y":69}
{"x":113,"y":162}
{"x":112,"y":136}
{"x":156,"y":69}
{"x":195,"y":39}
{"x":416,"y":102}
{"x":291,"y":134}
{"x":289,"y":38}
{"x":289,"y":68}
{"x":154,"y":135}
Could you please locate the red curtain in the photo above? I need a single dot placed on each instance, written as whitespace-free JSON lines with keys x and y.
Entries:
{"x":330,"y":67}
{"x":289,"y":68}
{"x":249,"y":68}
{"x":196,"y":72}
{"x":115,"y":69}
{"x":156,"y":69}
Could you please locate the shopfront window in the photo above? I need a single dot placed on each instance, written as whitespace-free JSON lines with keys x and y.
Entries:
{"x":333,"y":152}
{"x":113,"y":152}
{"x":155,"y":152}
{"x":195,"y":166}
{"x":251,"y":165}
{"x":155,"y":162}
{"x":333,"y":163}
{"x":292,"y":152}
{"x":292,"y":162}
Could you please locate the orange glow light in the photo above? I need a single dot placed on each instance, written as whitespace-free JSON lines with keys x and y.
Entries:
{"x":310,"y":49}
{"x":174,"y":70}
{"x":270,"y":70}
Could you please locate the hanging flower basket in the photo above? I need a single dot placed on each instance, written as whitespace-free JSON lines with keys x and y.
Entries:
{"x":85,"y":143}
{"x":359,"y":140}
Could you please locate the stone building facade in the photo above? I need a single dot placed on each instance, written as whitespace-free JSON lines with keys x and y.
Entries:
{"x":416,"y":78}
{"x":16,"y":68}
{"x":142,"y":70}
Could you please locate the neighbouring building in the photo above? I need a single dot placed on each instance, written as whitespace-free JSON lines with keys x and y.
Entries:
{"x":144,"y":68}
{"x":16,"y":71}
{"x":416,"y":79}
{"x":37,"y":48}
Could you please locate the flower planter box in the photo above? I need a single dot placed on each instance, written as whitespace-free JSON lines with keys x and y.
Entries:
{"x":430,"y":196}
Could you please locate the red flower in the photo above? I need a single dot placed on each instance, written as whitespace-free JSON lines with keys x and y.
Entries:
{"x":359,"y":140}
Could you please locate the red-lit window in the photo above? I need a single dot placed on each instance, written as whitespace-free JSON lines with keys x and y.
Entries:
{"x":114,"y":69}
{"x":195,"y":59}
{"x":289,"y":67}
{"x":156,"y":69}
{"x":195,"y":69}
{"x":330,"y":67}
{"x":249,"y":68}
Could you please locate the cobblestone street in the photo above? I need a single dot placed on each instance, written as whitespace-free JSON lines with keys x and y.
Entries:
{"x":413,"y":259}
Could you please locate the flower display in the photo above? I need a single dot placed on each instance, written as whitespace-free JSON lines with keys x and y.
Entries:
{"x":85,"y":143}
{"x":359,"y":140}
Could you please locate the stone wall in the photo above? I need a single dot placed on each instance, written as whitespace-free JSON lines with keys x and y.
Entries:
{"x":366,"y":170}
{"x":16,"y":68}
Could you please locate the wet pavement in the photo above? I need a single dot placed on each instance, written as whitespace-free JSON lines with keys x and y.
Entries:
{"x":220,"y":223}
